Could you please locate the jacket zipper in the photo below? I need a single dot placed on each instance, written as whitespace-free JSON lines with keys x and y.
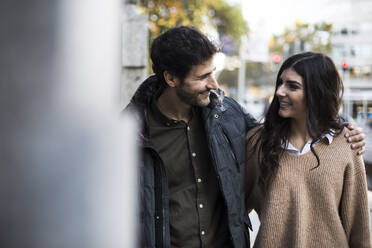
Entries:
{"x":221,"y":187}
{"x":160,"y":172}
{"x":231,"y":147}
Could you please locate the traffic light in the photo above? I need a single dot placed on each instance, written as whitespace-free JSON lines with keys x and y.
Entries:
{"x":344,"y":65}
{"x":277,"y":58}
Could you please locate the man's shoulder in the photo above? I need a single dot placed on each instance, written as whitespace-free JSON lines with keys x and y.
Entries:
{"x":231,"y":104}
{"x":230,"y":100}
{"x":236,"y":111}
{"x":227,"y":104}
{"x":234,"y":107}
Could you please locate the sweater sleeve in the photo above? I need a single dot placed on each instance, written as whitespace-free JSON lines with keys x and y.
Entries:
{"x":251,"y":170}
{"x":354,"y":208}
{"x":250,"y":121}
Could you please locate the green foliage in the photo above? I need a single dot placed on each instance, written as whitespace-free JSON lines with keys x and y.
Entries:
{"x":228,"y":78}
{"x":164,"y":14}
{"x":303,"y":36}
{"x":259,"y":73}
{"x":228,"y":19}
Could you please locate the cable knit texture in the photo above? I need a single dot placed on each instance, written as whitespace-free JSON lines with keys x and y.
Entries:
{"x":306,"y":207}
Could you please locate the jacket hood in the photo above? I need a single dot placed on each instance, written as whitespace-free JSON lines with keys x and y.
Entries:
{"x":146,"y":91}
{"x":142,"y":99}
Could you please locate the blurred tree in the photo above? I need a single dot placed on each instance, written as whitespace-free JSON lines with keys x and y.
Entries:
{"x":225,"y":18}
{"x":228,"y":18}
{"x":228,"y":78}
{"x":302,"y":37}
{"x":257,"y":74}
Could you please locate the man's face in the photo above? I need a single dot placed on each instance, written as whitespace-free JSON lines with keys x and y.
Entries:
{"x":195,"y":88}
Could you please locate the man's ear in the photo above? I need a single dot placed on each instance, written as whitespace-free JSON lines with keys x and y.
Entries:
{"x":170,"y":79}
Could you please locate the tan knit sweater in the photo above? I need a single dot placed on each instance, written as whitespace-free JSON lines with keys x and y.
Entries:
{"x":324,"y":207}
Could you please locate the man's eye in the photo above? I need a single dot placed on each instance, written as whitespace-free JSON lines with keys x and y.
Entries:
{"x":203,"y":77}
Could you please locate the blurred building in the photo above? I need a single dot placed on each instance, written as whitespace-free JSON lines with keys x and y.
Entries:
{"x":352,"y":53}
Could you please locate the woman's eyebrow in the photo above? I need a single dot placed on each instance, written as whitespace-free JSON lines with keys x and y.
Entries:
{"x":293,"y":82}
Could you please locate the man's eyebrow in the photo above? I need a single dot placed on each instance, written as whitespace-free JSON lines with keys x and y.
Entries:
{"x":206,"y":74}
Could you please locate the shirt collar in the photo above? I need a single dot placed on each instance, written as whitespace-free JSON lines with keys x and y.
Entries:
{"x":163,"y":119}
{"x":328,"y":136}
{"x":290,"y":148}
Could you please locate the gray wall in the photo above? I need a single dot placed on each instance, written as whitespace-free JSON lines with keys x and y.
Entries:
{"x":67,"y":161}
{"x":134,"y":51}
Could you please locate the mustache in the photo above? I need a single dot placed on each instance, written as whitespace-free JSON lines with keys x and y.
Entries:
{"x":204,"y":91}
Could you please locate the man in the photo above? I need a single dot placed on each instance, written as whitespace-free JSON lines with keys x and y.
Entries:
{"x":193,"y":148}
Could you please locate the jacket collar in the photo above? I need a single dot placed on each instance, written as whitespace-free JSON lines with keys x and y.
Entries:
{"x":146,"y":91}
{"x":216,"y":98}
{"x":141,"y":101}
{"x":151,"y":87}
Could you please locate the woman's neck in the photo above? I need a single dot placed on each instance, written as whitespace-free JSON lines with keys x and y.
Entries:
{"x":298,"y":135}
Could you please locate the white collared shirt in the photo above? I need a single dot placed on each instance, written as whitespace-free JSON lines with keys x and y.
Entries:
{"x":293,"y":150}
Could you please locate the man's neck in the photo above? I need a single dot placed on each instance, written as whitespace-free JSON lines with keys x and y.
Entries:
{"x":172,"y":107}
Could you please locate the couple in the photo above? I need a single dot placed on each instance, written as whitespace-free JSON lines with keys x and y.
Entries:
{"x":195,"y":179}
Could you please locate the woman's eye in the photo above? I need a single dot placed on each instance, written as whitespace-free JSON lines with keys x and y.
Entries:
{"x":293,"y":86}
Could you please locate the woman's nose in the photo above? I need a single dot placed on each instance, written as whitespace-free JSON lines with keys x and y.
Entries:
{"x":280,"y":90}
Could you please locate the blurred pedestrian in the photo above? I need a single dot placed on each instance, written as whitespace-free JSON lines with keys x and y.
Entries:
{"x":310,"y":188}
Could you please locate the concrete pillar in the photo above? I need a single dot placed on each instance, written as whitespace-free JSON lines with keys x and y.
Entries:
{"x":134,"y":50}
{"x":67,"y":162}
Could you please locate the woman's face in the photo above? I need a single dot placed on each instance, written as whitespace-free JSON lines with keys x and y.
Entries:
{"x":290,"y":93}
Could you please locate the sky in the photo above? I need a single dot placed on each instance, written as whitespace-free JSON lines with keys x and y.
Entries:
{"x":267,"y":17}
{"x":273,"y":15}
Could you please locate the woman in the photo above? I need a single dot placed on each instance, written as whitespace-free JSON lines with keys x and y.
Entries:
{"x":309,"y":186}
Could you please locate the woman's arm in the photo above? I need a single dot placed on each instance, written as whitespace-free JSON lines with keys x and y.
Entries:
{"x":354,"y":208}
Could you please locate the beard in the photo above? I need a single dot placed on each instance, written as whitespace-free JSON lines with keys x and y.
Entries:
{"x":193,"y":98}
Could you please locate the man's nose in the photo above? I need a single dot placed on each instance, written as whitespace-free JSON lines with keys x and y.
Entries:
{"x":212,"y":83}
